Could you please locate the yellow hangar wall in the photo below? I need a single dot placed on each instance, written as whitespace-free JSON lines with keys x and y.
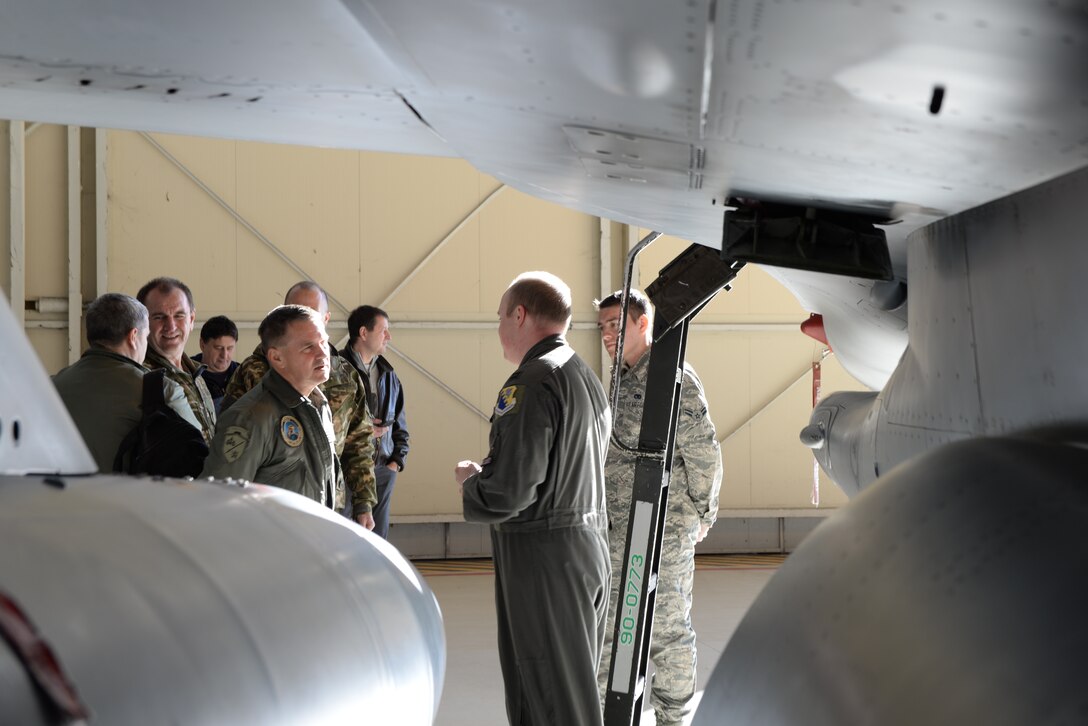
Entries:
{"x":432,"y":241}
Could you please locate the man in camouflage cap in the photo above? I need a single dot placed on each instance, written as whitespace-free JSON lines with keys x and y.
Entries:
{"x":693,"y":506}
{"x":351,"y":420}
{"x":280,"y":432}
{"x":171,"y":316}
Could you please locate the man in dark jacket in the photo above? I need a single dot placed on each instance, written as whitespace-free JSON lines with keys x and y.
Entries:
{"x":368,"y":332}
{"x":103,"y":390}
{"x":218,"y":337}
{"x":541,"y":488}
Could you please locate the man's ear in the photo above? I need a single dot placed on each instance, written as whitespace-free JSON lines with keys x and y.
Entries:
{"x":275,"y":357}
{"x":134,"y":338}
{"x":520,"y":314}
{"x":643,"y":323}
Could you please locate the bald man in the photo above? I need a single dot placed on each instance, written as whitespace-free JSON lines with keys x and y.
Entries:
{"x":541,"y":488}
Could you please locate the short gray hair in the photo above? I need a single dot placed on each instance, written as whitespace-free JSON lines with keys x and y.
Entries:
{"x":111,"y":317}
{"x":274,"y":326}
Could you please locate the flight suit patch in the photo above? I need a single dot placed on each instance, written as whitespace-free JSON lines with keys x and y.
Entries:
{"x":291,"y":431}
{"x":508,"y":400}
{"x":234,"y":443}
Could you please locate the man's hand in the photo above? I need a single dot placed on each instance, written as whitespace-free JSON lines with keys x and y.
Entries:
{"x":366,"y":519}
{"x":464,"y":470}
{"x":393,"y":466}
{"x":703,"y":529}
{"x":379,"y":430}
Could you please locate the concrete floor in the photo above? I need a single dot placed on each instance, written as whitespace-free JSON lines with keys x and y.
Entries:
{"x":473,"y":694}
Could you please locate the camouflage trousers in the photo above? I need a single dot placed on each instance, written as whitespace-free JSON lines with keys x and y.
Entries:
{"x":672,"y":648}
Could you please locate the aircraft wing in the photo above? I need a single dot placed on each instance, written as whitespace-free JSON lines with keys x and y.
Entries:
{"x":649,"y":113}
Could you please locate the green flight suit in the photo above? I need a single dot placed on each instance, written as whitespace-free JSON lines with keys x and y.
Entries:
{"x":351,"y":422}
{"x":274,"y":435}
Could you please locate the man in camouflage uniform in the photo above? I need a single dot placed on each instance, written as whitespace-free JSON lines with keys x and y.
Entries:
{"x":171,"y":315}
{"x":693,"y":506}
{"x":280,"y":432}
{"x":351,"y":420}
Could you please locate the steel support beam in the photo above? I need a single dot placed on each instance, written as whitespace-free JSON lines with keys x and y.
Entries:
{"x":17,"y":231}
{"x":438,"y":382}
{"x":762,"y":409}
{"x":236,"y":216}
{"x":101,"y":199}
{"x":606,"y":278}
{"x":442,"y":243}
{"x":75,"y":260}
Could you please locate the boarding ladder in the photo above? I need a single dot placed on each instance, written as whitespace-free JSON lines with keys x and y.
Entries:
{"x":681,"y":290}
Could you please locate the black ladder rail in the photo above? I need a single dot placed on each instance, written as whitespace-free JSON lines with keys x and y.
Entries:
{"x":633,"y":629}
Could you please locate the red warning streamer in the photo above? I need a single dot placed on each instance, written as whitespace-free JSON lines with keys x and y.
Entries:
{"x":38,"y":659}
{"x":817,"y":381}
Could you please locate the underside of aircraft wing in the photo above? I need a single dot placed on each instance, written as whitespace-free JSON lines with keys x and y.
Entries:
{"x":654,"y":114}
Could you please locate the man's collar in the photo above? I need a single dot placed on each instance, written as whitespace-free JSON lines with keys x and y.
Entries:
{"x":158,"y":360}
{"x":95,"y":352}
{"x":640,"y":366}
{"x":542,"y":346}
{"x":287,"y":394}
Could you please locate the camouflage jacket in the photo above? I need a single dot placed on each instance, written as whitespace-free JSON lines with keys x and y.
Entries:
{"x":275,"y":436}
{"x":351,"y":422}
{"x":697,"y":459}
{"x":190,"y":380}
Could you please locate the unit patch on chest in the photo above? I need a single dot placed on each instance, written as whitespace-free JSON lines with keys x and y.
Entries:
{"x":291,"y":431}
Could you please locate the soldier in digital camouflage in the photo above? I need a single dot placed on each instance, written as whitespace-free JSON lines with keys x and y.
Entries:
{"x":351,"y":419}
{"x":692,"y":509}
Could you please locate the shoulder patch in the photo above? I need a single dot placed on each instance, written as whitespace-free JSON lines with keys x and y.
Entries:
{"x":291,"y":431}
{"x":234,"y":443}
{"x":509,"y":398}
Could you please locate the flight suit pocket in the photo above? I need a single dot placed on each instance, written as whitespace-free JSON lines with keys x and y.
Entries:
{"x":284,"y":474}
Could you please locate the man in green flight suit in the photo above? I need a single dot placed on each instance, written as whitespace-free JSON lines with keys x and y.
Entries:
{"x":541,"y":488}
{"x":351,"y":420}
{"x":280,"y":433}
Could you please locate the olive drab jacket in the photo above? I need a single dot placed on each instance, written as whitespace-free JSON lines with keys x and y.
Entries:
{"x":274,"y":435}
{"x":103,"y":392}
{"x":350,"y":419}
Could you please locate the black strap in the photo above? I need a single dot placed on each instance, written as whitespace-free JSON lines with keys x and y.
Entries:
{"x":153,"y":385}
{"x":151,"y":401}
